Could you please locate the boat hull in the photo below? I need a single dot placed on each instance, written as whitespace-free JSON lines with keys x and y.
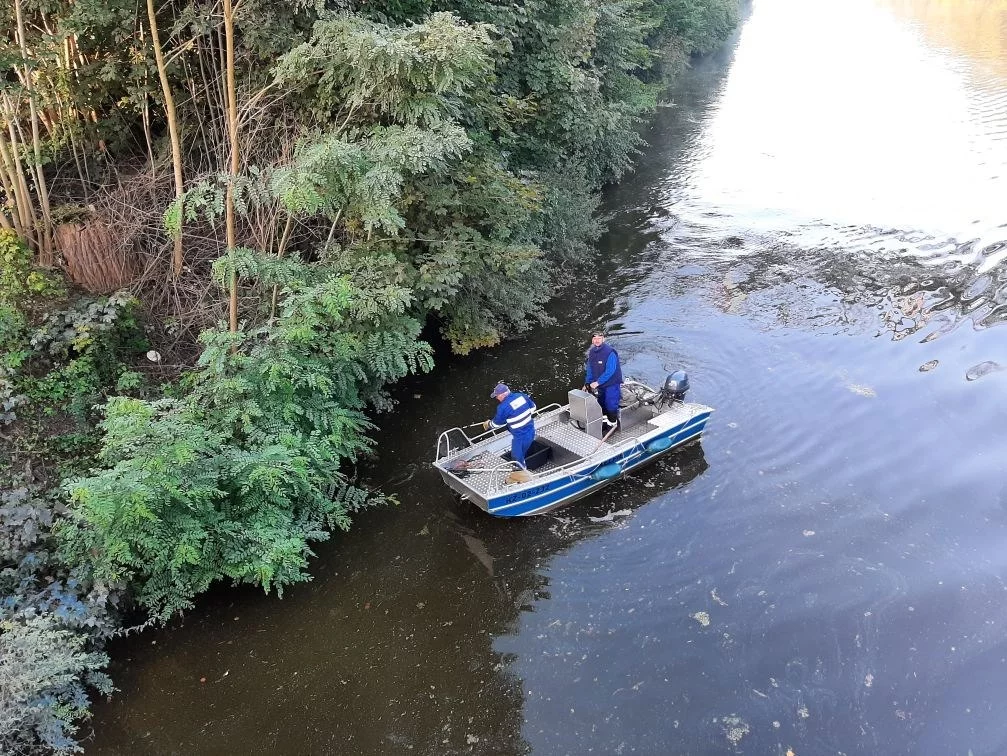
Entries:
{"x":552,"y":492}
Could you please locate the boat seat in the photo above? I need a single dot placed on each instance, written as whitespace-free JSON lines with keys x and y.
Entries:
{"x":585,"y":413}
{"x":567,"y":436}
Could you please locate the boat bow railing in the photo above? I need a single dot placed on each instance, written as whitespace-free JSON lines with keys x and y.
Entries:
{"x":634,"y":445}
{"x":446,"y":450}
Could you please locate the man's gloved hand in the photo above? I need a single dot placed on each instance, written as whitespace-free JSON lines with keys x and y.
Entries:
{"x":486,"y":425}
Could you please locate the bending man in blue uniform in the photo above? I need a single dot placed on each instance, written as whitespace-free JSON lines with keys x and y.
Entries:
{"x":604,"y":378}
{"x":515,"y":411}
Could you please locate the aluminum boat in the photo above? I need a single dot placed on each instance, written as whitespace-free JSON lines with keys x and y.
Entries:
{"x":573,"y":454}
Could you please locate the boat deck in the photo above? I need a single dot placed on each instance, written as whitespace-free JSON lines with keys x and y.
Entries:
{"x":569,"y":443}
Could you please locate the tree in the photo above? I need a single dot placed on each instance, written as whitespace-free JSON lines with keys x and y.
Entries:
{"x":173,"y":130}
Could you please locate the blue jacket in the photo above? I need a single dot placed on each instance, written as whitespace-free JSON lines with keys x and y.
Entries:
{"x":515,"y":411}
{"x":603,"y":366}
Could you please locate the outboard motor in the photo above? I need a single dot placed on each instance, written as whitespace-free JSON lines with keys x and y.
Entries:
{"x":675,"y":386}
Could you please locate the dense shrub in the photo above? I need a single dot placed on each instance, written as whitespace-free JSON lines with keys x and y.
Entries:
{"x":49,"y":628}
{"x":43,"y":672}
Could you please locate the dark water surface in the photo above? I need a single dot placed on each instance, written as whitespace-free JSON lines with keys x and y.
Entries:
{"x":817,"y":233}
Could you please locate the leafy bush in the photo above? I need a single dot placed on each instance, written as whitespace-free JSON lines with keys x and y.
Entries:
{"x":9,"y":400}
{"x":84,"y":345}
{"x":43,"y":672}
{"x":701,"y":24}
{"x":236,"y":479}
{"x":18,"y":278}
{"x":14,"y":347}
{"x":87,"y":326}
{"x":49,"y":625}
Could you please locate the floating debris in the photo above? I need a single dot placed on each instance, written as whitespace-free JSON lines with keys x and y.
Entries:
{"x":976,"y":372}
{"x":809,"y":533}
{"x":867,"y":391}
{"x":611,"y":516}
{"x":926,"y":367}
{"x":735,"y":728}
{"x":702,"y":618}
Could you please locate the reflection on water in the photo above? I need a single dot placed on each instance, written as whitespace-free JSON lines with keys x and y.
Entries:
{"x":974,"y":30}
{"x":840,"y":114}
{"x":818,"y":234}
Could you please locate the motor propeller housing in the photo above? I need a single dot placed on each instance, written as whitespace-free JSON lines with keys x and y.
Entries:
{"x":675,"y":386}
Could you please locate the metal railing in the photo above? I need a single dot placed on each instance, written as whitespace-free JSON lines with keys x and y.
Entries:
{"x":445,"y":437}
{"x":634,"y":445}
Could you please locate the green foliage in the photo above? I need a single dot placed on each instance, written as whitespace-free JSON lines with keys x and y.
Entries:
{"x":14,"y":338}
{"x":701,"y":24}
{"x":363,"y":175}
{"x":84,"y":345}
{"x":147,"y":516}
{"x":472,"y":254}
{"x":418,"y":74}
{"x":48,"y":624}
{"x":75,"y":386}
{"x":206,"y":199}
{"x":60,"y":359}
{"x":173,"y":217}
{"x":43,"y":669}
{"x":86,"y":326}
{"x":33,"y":581}
{"x":128,"y":380}
{"x":14,"y":350}
{"x":235,"y":480}
{"x":19,"y":280}
{"x":574,"y":77}
{"x":456,"y":220}
{"x":9,"y":400}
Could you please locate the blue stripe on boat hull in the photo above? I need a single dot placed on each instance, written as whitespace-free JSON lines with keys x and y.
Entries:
{"x":556,"y":493}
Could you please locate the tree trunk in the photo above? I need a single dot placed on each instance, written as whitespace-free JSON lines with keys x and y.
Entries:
{"x":26,"y":207}
{"x":176,"y":141}
{"x":12,"y":187}
{"x":232,"y":133}
{"x":96,"y":258}
{"x":44,"y":233}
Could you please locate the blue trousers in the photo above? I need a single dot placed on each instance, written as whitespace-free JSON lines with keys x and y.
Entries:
{"x":519,"y":446}
{"x":608,"y":398}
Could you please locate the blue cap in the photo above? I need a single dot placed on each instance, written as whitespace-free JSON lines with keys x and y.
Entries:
{"x":501,"y":388}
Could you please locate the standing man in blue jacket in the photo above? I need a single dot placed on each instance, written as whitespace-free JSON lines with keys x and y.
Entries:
{"x":604,"y":378}
{"x":515,"y":412}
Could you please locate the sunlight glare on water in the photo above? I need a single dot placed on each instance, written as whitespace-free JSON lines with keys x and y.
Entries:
{"x":844,"y":113}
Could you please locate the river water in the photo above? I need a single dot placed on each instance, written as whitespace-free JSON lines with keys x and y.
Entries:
{"x":817,"y":232}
